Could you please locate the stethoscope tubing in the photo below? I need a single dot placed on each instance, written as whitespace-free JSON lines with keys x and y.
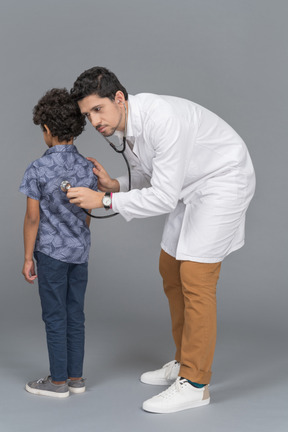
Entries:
{"x":65,"y":184}
{"x":129,"y":179}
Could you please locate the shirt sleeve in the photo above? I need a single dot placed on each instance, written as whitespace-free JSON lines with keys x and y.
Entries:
{"x":30,"y":184}
{"x":94,"y":184}
{"x":170,"y":141}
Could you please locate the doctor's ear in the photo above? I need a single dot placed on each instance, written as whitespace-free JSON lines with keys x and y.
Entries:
{"x":119,"y":97}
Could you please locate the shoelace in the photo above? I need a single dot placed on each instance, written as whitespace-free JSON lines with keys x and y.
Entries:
{"x":174,"y":388}
{"x":169,"y":366}
{"x":41,"y":380}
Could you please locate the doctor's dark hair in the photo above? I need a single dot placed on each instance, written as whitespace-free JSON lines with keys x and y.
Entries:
{"x":99,"y":81}
{"x":60,"y":113}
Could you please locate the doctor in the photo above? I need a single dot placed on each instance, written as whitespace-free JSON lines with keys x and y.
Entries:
{"x":191,"y":165}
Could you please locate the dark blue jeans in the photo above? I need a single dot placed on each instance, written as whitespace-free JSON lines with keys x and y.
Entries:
{"x":62,"y":289}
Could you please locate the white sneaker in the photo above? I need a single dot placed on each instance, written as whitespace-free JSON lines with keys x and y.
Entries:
{"x":179,"y":396}
{"x":164,"y":376}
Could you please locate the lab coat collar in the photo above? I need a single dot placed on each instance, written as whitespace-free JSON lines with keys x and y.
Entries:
{"x":134,"y":124}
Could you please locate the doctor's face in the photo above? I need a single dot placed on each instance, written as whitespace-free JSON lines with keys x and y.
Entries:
{"x":105,"y":115}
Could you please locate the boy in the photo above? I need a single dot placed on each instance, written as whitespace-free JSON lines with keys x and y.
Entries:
{"x":57,"y":232}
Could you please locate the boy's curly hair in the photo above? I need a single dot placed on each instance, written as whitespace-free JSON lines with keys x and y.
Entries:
{"x":60,"y":113}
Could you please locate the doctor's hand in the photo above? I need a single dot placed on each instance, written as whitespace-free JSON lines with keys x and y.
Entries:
{"x":105,"y":182}
{"x":85,"y":198}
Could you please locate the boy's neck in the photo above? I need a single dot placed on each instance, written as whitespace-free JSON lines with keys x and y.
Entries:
{"x":56,"y":142}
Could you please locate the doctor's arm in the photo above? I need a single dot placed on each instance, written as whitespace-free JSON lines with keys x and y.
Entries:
{"x":170,"y":143}
{"x":31,"y":224}
{"x":90,"y":199}
{"x":87,"y":198}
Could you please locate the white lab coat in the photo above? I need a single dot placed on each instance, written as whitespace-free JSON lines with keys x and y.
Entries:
{"x":189,"y":163}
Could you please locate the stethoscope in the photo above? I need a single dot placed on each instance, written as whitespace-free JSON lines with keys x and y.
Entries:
{"x":65,"y":185}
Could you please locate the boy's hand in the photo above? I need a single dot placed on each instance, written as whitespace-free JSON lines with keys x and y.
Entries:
{"x":28,"y":271}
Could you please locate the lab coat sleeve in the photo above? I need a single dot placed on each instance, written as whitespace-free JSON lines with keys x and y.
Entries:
{"x":167,"y":144}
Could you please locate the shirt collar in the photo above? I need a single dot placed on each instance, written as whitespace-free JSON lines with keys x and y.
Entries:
{"x":62,"y":148}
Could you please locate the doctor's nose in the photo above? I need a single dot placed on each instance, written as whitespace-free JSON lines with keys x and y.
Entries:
{"x":95,"y":120}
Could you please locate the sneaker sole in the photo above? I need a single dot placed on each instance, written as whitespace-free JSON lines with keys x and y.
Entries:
{"x":46,"y":392}
{"x":176,"y":409}
{"x":159,"y":381}
{"x":77,"y":390}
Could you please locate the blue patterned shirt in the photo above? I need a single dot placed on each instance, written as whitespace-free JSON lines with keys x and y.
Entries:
{"x":63,"y":233}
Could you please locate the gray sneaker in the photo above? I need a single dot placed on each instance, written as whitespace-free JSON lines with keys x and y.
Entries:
{"x":77,"y":386}
{"x":45,"y":387}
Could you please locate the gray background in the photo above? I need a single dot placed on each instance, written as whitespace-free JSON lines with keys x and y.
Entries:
{"x":231,"y":57}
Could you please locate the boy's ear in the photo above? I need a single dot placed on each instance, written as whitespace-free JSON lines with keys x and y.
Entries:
{"x":47,"y":129}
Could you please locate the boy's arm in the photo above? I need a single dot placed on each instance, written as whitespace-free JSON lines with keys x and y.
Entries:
{"x":88,"y":219}
{"x":31,"y":224}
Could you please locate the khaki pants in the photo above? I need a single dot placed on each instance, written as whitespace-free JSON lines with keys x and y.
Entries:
{"x":191,"y":290}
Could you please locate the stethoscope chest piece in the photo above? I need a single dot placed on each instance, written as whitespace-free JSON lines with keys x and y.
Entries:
{"x":65,"y":186}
